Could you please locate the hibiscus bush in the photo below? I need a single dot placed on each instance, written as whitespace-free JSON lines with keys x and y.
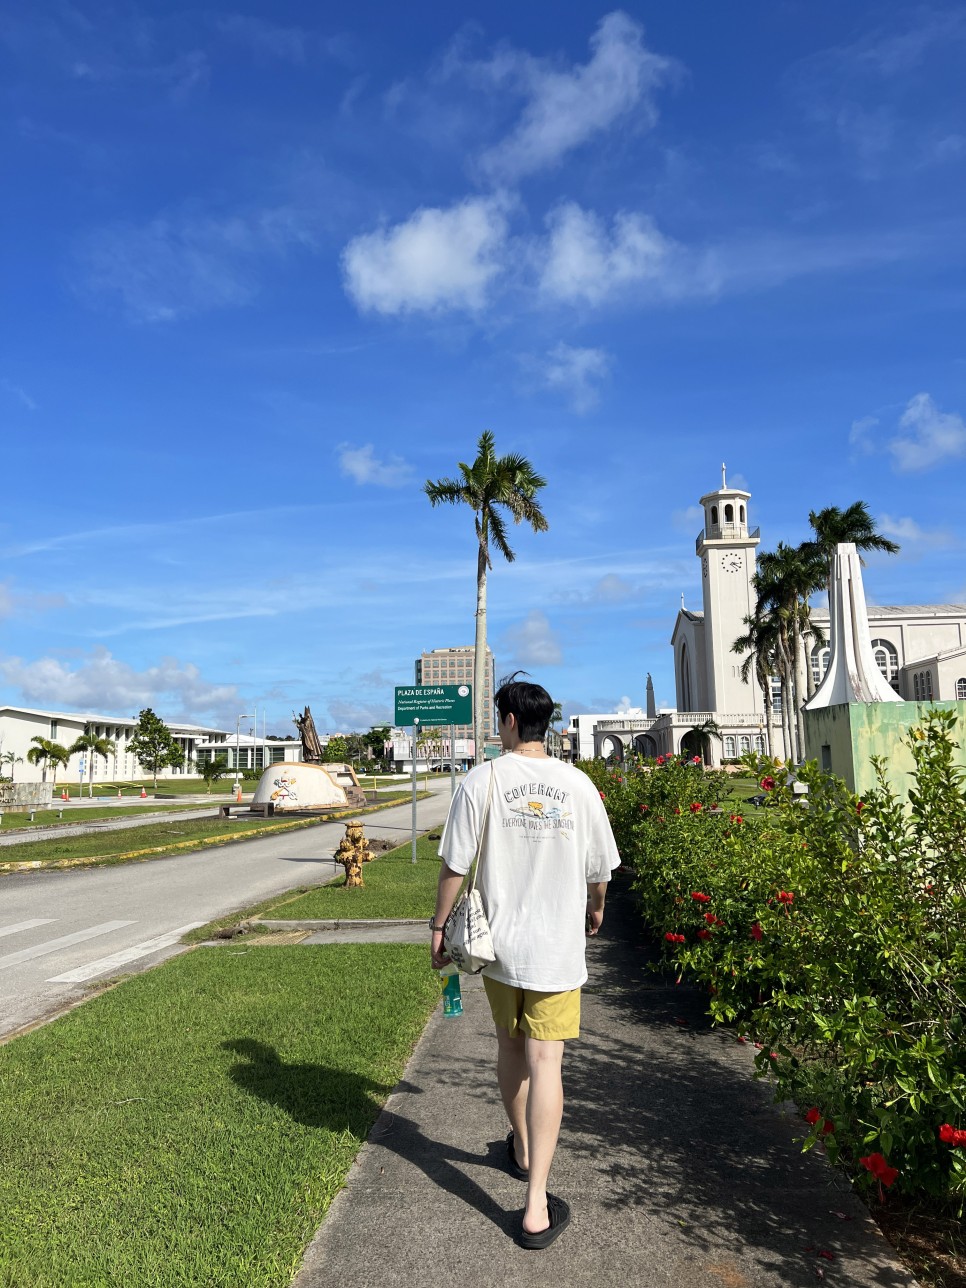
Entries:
{"x":832,"y":930}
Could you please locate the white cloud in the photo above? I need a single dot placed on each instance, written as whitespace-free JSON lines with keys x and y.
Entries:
{"x":861,"y":438}
{"x":576,"y":373}
{"x":566,"y":108}
{"x":909,"y":533}
{"x":102,"y":682}
{"x":286,"y":43}
{"x":437,"y":259}
{"x":928,"y":436}
{"x":584,"y":263}
{"x":688,"y":519}
{"x":349,"y":715}
{"x":360,"y":464}
{"x":532,"y":642}
{"x":175,"y":267}
{"x":20,"y":394}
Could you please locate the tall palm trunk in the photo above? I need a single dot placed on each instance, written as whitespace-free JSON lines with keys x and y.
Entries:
{"x":479,"y":653}
{"x":764,"y":683}
{"x":797,"y":687}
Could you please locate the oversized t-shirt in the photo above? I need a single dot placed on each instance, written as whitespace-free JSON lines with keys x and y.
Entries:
{"x":548,"y":835}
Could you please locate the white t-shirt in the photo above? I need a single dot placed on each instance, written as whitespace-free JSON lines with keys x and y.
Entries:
{"x":548,"y":835}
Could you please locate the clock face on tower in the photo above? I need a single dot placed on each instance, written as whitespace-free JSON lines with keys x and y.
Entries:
{"x":731,"y":562}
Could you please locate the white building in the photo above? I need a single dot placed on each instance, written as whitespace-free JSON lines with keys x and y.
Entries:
{"x":920,"y":649}
{"x":19,"y":725}
{"x":249,"y":752}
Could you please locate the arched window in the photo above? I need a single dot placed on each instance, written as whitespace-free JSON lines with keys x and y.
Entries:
{"x":820,"y":659}
{"x":744,"y":743}
{"x":776,"y":695}
{"x":887,"y":660}
{"x":685,"y":679}
{"x":714,"y":515}
{"x":729,"y":514}
{"x":729,"y":747}
{"x":915,"y":687}
{"x":928,"y":685}
{"x":741,"y":511}
{"x":961,"y":690}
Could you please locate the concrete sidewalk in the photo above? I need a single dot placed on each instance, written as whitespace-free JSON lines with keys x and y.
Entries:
{"x":678,"y":1168}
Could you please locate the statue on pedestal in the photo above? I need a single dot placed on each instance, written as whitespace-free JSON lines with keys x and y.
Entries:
{"x":311,"y":746}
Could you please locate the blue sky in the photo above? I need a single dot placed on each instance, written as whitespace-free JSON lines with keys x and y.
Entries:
{"x":268,"y":268}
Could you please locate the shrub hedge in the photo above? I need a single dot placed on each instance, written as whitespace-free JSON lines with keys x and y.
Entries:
{"x":833,"y":933}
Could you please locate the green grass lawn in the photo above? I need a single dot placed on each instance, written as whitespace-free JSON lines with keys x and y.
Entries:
{"x":90,"y":813}
{"x":193,"y":1125}
{"x":394,"y":887}
{"x":172,"y":834}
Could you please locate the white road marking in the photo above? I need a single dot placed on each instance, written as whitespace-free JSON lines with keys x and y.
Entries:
{"x":124,"y":956}
{"x":51,"y":946}
{"x":25,"y":925}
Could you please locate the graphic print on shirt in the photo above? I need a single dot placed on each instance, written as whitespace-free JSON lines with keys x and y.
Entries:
{"x":541,"y":818}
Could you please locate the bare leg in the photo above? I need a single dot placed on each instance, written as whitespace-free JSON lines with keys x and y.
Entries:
{"x":544,"y":1112}
{"x":513,"y":1077}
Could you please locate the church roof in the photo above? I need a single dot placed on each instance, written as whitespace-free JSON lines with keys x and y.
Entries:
{"x":906,"y":610}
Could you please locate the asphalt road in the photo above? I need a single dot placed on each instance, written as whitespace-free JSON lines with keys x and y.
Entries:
{"x":63,"y":933}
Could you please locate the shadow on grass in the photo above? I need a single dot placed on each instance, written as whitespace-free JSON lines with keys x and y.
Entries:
{"x":311,"y":1094}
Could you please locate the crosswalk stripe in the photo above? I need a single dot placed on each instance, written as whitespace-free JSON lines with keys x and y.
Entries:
{"x":51,"y":946}
{"x":123,"y":956}
{"x":25,"y":925}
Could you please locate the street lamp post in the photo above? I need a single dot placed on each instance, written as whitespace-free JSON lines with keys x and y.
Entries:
{"x":245,"y":715}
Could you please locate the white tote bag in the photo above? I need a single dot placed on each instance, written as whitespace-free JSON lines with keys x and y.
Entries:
{"x":466,"y":934}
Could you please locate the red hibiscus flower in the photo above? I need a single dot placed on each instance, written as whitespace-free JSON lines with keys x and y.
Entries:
{"x":602,"y":796}
{"x":813,"y":1116}
{"x":860,"y":806}
{"x":700,"y":897}
{"x":786,"y":896}
{"x":880,"y":1169}
{"x":950,"y":1135}
{"x":704,"y":934}
{"x":767,"y":784}
{"x":756,"y":931}
{"x":695,"y":807}
{"x":828,"y":1127}
{"x":660,"y":760}
{"x":645,"y":808}
{"x":712,"y":920}
{"x":677,"y":809}
{"x":672,"y":938}
{"x":735,"y":818}
{"x":695,"y":760}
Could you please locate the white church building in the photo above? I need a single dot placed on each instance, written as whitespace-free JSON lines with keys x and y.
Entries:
{"x":920,"y":650}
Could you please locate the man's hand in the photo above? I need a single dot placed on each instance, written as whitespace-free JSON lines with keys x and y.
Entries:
{"x":596,"y":894}
{"x":595,"y":919}
{"x":437,"y":952}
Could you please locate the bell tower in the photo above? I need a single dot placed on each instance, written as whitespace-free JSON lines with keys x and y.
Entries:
{"x":726,"y":549}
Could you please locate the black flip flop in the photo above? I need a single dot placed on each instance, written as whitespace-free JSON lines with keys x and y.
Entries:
{"x":559,"y":1214}
{"x":512,"y":1166}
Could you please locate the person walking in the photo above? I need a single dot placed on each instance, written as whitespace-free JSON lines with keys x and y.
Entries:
{"x":547,"y":857}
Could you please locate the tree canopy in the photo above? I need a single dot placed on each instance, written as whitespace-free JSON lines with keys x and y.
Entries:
{"x":154,"y":745}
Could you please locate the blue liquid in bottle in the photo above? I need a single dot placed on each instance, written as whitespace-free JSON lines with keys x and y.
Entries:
{"x":452,"y":998}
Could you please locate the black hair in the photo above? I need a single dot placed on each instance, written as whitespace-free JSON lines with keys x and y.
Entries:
{"x":530,"y":703}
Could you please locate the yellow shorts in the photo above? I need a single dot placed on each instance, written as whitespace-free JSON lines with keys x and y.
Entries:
{"x":548,"y":1017}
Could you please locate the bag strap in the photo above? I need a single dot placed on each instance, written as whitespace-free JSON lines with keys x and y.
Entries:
{"x":479,"y":844}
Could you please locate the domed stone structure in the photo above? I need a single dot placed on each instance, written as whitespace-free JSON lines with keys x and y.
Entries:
{"x":296,"y":786}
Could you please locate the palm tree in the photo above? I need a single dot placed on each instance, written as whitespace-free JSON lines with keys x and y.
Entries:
{"x":91,"y":745}
{"x":783,"y":582}
{"x":47,"y":753}
{"x":488,"y":486}
{"x":699,"y":737}
{"x":833,"y":526}
{"x":12,"y":759}
{"x":760,"y":646}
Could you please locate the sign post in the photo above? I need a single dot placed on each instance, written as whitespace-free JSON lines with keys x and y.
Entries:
{"x":415,"y":734}
{"x":433,"y":704}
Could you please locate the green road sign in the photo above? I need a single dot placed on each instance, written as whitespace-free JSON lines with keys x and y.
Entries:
{"x":435,"y":704}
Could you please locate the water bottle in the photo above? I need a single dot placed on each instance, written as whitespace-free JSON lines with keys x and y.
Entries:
{"x":452,"y":998}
